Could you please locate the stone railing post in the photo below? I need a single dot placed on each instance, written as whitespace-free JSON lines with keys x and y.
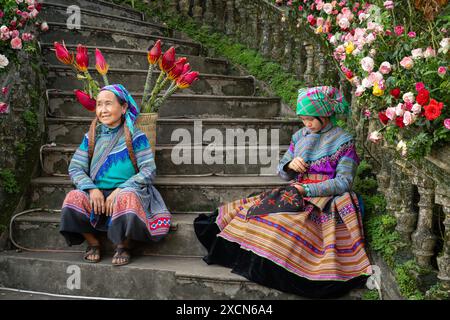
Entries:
{"x":406,"y":217}
{"x":309,"y":48}
{"x":209,"y":12}
{"x":443,"y":261}
{"x":229,"y":23}
{"x":265,"y":42}
{"x":197,"y":11}
{"x":423,"y":239}
{"x":184,"y":7}
{"x":173,"y":6}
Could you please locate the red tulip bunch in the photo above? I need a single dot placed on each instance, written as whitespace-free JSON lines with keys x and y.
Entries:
{"x":80,"y":64}
{"x":178,"y":71}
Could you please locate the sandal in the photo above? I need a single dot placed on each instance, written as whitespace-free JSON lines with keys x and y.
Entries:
{"x":92,"y":251}
{"x":123,"y":254}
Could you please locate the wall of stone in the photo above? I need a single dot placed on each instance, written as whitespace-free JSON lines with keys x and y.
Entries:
{"x":21,"y":130}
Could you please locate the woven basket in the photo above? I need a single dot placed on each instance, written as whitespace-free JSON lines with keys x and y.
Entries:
{"x":146,"y":122}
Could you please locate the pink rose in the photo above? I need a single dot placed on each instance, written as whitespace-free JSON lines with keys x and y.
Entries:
{"x":399,"y":110}
{"x":328,"y":8}
{"x":4,"y":29}
{"x":360,"y":90}
{"x":375,"y":137}
{"x":367,"y":64}
{"x":429,"y":52}
{"x":14,"y":33}
{"x":3,"y":107}
{"x":447,"y":123}
{"x":320,"y":21}
{"x":5,"y":91}
{"x":416,"y":108}
{"x":44,"y":26}
{"x":420,"y":86}
{"x":367,"y":113}
{"x":389,"y":4}
{"x":385,"y":67}
{"x":407,"y":63}
{"x":390,"y":113}
{"x":442,"y":70}
{"x":399,"y":30}
{"x":27,"y":36}
{"x":411,"y":34}
{"x":344,"y":23}
{"x":408,"y":118}
{"x":16,"y":43}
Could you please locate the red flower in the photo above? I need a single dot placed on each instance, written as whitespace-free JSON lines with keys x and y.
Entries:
{"x":63,"y":54}
{"x":349,"y":74}
{"x":100,"y":63}
{"x":168,"y":60}
{"x":395,"y":93}
{"x":187,"y":79}
{"x":155,"y":53}
{"x":383,"y":118}
{"x":82,"y":58}
{"x":433,"y":110}
{"x":399,"y":122}
{"x":423,"y":97}
{"x":177,"y":70}
{"x":85,"y":100}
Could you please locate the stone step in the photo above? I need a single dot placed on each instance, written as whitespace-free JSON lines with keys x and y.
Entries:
{"x":56,"y":160}
{"x":63,"y":78}
{"x":40,"y":230}
{"x":107,"y":37}
{"x":54,"y":12}
{"x":146,"y":277}
{"x":65,"y":104}
{"x":104,"y":7}
{"x":71,"y":130}
{"x":182,"y":194}
{"x":137,"y":59}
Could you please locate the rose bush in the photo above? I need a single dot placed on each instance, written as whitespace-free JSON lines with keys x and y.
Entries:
{"x":396,"y":55}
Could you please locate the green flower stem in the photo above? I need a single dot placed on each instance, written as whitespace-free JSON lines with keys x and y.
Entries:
{"x":148,"y":82}
{"x":105,"y":80}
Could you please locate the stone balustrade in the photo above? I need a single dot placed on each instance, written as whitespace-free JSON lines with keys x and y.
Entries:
{"x":415,"y":194}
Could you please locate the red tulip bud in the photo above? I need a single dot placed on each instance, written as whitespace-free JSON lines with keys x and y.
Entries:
{"x":155,"y":53}
{"x":100,"y":63}
{"x":187,"y":79}
{"x":82,"y":58}
{"x":63,"y":54}
{"x":86,"y":101}
{"x":186,"y":68}
{"x":177,"y":70}
{"x":168,"y":60}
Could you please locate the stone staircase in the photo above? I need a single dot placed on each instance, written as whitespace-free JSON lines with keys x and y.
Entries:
{"x":222,"y":99}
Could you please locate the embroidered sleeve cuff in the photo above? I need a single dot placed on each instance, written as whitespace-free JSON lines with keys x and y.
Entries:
{"x":307,"y":191}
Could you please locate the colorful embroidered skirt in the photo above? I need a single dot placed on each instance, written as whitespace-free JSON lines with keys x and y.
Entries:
{"x":316,"y":252}
{"x":129,"y":219}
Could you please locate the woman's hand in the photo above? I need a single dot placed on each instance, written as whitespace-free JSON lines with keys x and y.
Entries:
{"x":300,"y":188}
{"x":298,"y":165}
{"x":110,"y":202}
{"x":97,"y":201}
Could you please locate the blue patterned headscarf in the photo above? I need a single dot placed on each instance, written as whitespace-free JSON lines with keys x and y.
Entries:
{"x":132,"y":110}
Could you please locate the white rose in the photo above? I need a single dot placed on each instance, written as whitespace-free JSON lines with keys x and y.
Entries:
{"x":328,"y":8}
{"x":417,"y":53}
{"x":367,"y":83}
{"x":344,"y":23}
{"x":409,"y":97}
{"x":3,"y":61}
{"x":367,"y":64}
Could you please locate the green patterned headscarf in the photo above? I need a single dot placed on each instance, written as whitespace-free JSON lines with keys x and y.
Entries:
{"x":321,"y":102}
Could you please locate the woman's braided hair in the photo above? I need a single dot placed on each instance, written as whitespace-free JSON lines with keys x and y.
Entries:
{"x":128,"y":139}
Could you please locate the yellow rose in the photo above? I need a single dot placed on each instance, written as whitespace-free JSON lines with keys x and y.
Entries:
{"x":349,"y":48}
{"x":376,"y":90}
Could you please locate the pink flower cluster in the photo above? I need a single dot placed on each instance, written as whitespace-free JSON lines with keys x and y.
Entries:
{"x":11,"y":32}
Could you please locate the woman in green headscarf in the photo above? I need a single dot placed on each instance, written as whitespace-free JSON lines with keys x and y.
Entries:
{"x":307,"y":237}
